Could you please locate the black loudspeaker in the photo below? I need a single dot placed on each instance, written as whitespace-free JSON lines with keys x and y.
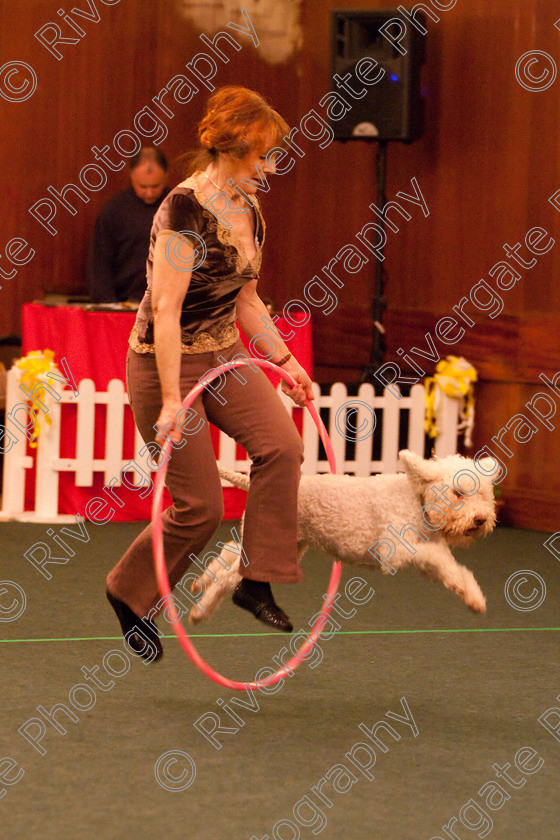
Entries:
{"x":392,"y":108}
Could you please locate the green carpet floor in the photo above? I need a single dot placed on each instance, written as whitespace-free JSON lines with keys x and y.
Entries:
{"x":474,"y":688}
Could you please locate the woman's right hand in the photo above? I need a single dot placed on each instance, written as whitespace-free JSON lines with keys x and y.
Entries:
{"x":167,"y":423}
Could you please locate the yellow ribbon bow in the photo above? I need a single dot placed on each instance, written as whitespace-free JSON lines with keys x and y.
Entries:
{"x":454,"y":376}
{"x":34,"y":366}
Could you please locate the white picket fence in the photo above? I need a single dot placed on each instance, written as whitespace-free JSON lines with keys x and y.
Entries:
{"x":345,"y":414}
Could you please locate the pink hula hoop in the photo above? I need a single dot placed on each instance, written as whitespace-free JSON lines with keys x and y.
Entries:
{"x":159,"y":557}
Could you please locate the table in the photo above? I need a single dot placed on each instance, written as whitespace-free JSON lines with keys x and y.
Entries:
{"x":94,"y":344}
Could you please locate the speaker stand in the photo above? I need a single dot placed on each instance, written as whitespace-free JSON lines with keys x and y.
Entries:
{"x":379,"y":302}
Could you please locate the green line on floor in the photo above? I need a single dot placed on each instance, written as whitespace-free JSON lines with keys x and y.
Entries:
{"x":340,"y":633}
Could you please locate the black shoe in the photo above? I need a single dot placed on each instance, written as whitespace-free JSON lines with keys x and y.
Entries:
{"x":141,"y":634}
{"x":266,"y":611}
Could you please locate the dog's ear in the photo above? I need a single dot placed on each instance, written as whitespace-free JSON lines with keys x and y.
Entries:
{"x":419,"y":471}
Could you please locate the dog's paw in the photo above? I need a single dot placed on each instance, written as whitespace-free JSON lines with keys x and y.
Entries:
{"x":206,"y":606}
{"x":197,"y":614}
{"x":196,"y":586}
{"x":476,"y":602}
{"x":469,"y":591}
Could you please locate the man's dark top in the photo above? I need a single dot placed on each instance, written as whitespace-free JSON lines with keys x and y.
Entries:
{"x":119,"y":248}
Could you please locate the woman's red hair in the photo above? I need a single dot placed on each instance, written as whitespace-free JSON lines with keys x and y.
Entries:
{"x":237,"y":121}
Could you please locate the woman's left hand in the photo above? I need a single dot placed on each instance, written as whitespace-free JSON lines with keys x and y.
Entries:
{"x":302,"y":390}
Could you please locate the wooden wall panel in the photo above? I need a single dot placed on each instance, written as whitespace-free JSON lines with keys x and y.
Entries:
{"x":486,"y":165}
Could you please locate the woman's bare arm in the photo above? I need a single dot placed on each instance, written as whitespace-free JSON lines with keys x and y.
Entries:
{"x":169,"y":287}
{"x":254,"y":319}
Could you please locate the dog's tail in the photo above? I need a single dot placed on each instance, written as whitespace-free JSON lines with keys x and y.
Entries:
{"x":235,"y":478}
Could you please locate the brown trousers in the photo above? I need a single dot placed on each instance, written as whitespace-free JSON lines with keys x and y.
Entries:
{"x":254,"y":416}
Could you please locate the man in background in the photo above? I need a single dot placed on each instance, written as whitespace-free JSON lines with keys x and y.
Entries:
{"x":121,"y":239}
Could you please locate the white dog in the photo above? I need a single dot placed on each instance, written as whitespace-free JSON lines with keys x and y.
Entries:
{"x":384,"y":521}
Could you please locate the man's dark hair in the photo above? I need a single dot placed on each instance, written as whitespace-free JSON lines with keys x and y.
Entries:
{"x":149,"y":154}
